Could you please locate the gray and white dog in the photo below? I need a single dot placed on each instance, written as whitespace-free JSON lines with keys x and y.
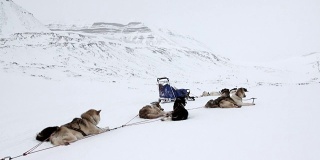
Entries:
{"x":151,"y":111}
{"x":73,"y":131}
{"x":227,"y":101}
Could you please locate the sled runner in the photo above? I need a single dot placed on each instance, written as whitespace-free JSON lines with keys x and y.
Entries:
{"x":167,"y":93}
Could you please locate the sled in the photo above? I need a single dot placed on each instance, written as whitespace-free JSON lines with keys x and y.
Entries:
{"x":167,"y":93}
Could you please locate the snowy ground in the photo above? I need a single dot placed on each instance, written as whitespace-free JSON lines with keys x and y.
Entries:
{"x":284,"y":123}
{"x":47,"y":79}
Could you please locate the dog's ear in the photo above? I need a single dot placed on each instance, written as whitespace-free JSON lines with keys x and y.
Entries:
{"x":155,"y":103}
{"x":233,"y":89}
{"x":245,"y":90}
{"x":98,"y":112}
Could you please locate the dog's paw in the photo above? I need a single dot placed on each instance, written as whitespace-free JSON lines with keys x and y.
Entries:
{"x":105,"y":129}
{"x":66,"y":143}
{"x":168,"y":114}
{"x":253,"y":104}
{"x":165,"y":119}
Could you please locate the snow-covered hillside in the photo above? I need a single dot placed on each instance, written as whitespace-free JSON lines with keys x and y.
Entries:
{"x":48,"y":78}
{"x":305,"y":67}
{"x":309,"y":62}
{"x":134,"y":32}
{"x":101,"y":51}
{"x":15,"y":19}
{"x":74,"y":54}
{"x":134,"y":50}
{"x":101,"y":54}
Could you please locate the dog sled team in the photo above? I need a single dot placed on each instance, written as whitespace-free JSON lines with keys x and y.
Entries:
{"x":78,"y":128}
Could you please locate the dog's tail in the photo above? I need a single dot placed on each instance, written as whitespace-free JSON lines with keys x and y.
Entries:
{"x":46,"y":133}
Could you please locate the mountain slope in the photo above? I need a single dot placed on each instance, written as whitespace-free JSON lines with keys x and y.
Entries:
{"x":105,"y":51}
{"x":303,"y":67}
{"x":134,"y":32}
{"x":15,"y":19}
{"x":74,"y":54}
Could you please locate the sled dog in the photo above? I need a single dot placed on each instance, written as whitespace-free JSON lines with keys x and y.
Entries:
{"x":222,"y":101}
{"x":238,"y":95}
{"x":205,"y":93}
{"x":76,"y":129}
{"x":179,"y":112}
{"x":151,"y":111}
{"x":227,"y":101}
{"x":46,"y":133}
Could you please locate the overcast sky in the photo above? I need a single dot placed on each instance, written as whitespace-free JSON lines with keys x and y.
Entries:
{"x":252,"y":30}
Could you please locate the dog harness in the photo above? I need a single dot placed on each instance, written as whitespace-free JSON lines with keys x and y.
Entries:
{"x":77,"y":129}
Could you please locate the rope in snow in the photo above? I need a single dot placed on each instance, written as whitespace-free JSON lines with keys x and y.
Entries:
{"x":132,"y":119}
{"x":143,"y":122}
{"x":29,"y":152}
{"x":32,"y":150}
{"x":195,"y":108}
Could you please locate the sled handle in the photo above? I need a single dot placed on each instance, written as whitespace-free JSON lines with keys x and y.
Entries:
{"x":253,"y":99}
{"x":158,"y":79}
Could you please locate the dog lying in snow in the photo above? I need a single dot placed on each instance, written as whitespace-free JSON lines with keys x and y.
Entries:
{"x":151,"y":111}
{"x":238,"y":95}
{"x":219,"y":102}
{"x":46,"y":133}
{"x":205,"y":93}
{"x":227,"y":101}
{"x":76,"y":129}
{"x":179,"y":112}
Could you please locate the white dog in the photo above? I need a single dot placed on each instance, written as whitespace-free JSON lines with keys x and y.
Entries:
{"x":238,"y":95}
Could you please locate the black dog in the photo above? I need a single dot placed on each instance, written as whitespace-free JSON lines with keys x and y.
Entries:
{"x":46,"y":133}
{"x":179,"y":112}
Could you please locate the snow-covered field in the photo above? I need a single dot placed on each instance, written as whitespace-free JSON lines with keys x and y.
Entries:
{"x":284,"y":123}
{"x":49,"y":77}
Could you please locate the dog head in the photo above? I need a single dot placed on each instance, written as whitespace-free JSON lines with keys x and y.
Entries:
{"x":92,"y":116}
{"x":179,"y":102}
{"x":157,"y":104}
{"x":241,"y":92}
{"x":225,"y":92}
{"x":46,"y":133}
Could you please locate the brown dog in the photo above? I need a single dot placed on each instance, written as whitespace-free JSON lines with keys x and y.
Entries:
{"x":151,"y":111}
{"x":224,"y":101}
{"x":77,"y":128}
{"x":227,"y":101}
